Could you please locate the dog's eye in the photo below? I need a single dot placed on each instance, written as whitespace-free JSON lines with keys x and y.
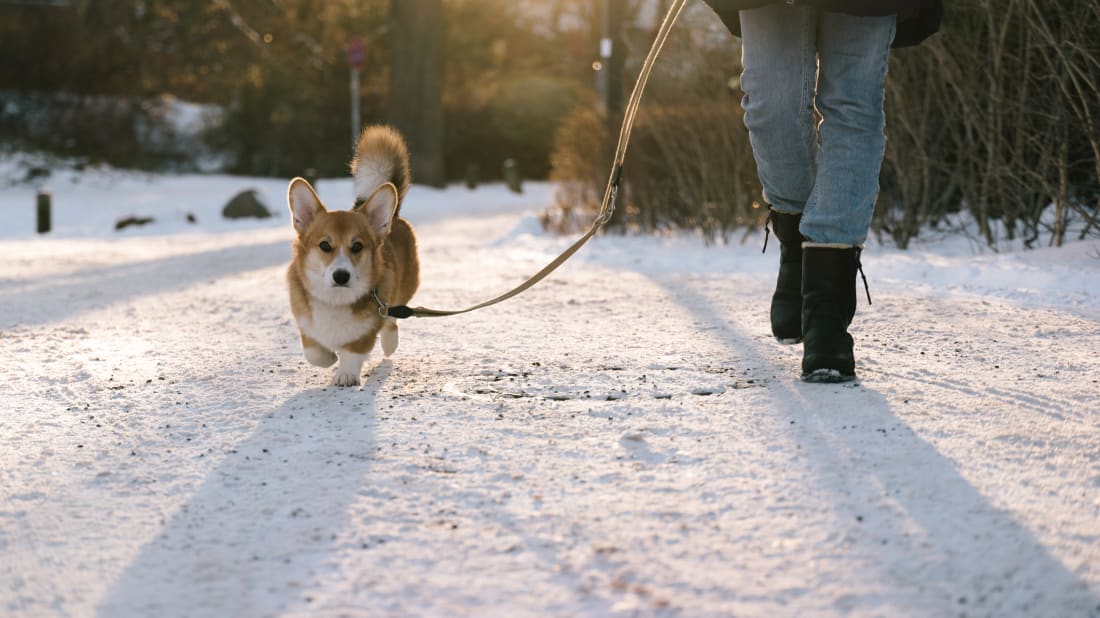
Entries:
{"x":326,"y":247}
{"x":357,"y":247}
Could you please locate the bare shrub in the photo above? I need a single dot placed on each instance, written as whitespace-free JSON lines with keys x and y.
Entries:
{"x":580,"y":162}
{"x":691,"y":171}
{"x":997,"y":114}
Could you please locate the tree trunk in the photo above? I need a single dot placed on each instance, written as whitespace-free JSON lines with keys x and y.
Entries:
{"x":416,"y":84}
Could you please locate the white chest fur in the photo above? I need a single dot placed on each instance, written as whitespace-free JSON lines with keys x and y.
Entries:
{"x":334,"y":326}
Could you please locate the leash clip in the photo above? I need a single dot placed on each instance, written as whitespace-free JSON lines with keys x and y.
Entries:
{"x":383,"y":308}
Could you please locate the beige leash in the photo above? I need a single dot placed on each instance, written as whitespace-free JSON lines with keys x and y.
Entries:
{"x":606,"y":208}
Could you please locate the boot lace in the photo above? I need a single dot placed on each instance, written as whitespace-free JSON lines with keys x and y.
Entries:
{"x":859,"y":267}
{"x":767,"y":231}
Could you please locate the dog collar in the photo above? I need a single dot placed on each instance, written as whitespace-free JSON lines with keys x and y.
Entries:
{"x":386,"y":311}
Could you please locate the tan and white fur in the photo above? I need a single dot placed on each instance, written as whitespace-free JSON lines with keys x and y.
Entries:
{"x":341,"y":256}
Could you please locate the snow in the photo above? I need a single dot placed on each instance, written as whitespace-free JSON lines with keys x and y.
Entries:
{"x":623,"y":439}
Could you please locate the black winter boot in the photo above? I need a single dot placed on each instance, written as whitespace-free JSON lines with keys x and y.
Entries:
{"x":828,"y":306}
{"x":786,"y":308}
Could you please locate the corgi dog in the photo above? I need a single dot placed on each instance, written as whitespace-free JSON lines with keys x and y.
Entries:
{"x":347,"y":263}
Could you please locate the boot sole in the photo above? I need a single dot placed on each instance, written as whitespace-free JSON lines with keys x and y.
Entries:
{"x":827,"y":376}
{"x":788,"y":340}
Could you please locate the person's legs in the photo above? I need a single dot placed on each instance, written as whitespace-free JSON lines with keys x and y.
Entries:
{"x":778,"y":48}
{"x":852,"y":60}
{"x":853,"y":54}
{"x":780,"y":70}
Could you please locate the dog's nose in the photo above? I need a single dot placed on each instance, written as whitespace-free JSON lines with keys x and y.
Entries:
{"x":341,"y":277}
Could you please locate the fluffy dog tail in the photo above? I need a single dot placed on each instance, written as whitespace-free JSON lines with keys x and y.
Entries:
{"x":381,"y":156}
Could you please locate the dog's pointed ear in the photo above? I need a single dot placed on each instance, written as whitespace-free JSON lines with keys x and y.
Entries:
{"x":380,"y":208}
{"x":303,"y":203}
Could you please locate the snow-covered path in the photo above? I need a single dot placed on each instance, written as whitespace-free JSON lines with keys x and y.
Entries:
{"x":624,"y":439}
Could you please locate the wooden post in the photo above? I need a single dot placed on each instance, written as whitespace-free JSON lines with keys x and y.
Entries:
{"x":43,"y":212}
{"x":512,"y":177}
{"x":473,"y":173}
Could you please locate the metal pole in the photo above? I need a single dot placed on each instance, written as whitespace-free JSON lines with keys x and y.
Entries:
{"x":354,"y":106}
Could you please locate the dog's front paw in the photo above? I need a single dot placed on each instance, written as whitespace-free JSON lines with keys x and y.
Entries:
{"x":347,"y":373}
{"x":389,"y":338}
{"x":319,"y":356}
{"x":345,"y":378}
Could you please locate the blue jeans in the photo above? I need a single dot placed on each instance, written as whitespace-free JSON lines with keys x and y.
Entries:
{"x":797,"y":60}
